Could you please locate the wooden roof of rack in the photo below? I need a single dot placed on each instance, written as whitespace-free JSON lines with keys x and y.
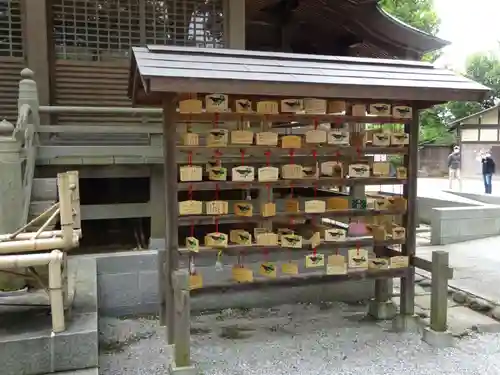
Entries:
{"x":167,"y":69}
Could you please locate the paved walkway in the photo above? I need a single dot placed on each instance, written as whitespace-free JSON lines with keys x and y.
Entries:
{"x":476,"y":265}
{"x":436,"y":188}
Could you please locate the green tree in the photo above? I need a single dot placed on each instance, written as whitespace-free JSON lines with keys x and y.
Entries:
{"x":417,"y":13}
{"x":485,"y":68}
{"x":422,"y":15}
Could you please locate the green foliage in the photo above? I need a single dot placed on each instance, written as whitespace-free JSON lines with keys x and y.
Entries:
{"x":485,"y":68}
{"x":481,"y":67}
{"x":417,"y":13}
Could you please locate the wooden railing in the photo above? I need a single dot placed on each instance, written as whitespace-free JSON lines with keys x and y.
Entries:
{"x":102,"y":142}
{"x":25,"y":133}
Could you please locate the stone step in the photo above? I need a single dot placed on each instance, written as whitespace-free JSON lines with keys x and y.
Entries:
{"x":36,"y":208}
{"x":44,"y":189}
{"x":88,"y":371}
{"x":43,"y":195}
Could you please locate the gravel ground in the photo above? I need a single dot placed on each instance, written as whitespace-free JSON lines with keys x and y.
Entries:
{"x":292,"y":339}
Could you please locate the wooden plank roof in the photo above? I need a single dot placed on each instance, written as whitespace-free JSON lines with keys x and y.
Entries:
{"x":162,"y":69}
{"x":363,"y":18}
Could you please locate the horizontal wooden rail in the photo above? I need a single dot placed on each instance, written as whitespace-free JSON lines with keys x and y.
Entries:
{"x":99,"y":110}
{"x":301,"y":280}
{"x":417,"y":262}
{"x":224,"y":116}
{"x":232,"y":250}
{"x":115,"y":211}
{"x":102,"y":129}
{"x":52,"y":152}
{"x":304,"y":182}
{"x":203,"y":219}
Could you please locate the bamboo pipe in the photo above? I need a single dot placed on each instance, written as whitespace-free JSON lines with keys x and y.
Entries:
{"x":41,"y":244}
{"x":54,"y":260}
{"x":56,"y":291}
{"x":29,"y":235}
{"x":65,"y":206}
{"x":46,"y":224}
{"x":27,"y":260}
{"x":36,"y":219}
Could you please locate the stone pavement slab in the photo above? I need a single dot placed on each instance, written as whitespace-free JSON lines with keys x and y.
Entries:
{"x":476,"y":266}
{"x":461,"y":318}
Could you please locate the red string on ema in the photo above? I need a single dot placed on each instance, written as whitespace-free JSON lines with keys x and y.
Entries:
{"x":216,"y":120}
{"x":315,"y":124}
{"x":292,"y":161}
{"x":268,"y":158}
{"x":291,"y":153}
{"x":358,"y":246}
{"x":190,"y":192}
{"x":242,"y":152}
{"x":190,"y":158}
{"x":217,"y":191}
{"x":315,"y":158}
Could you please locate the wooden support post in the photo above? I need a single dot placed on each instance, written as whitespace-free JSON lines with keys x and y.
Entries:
{"x":439,"y":291}
{"x":37,"y":30}
{"x":235,"y":23}
{"x":157,"y":207}
{"x":407,"y":299}
{"x":168,"y":258}
{"x":381,"y":307}
{"x":11,"y":193}
{"x":182,"y":341}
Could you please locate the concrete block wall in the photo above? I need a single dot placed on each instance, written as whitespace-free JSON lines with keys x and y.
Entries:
{"x":458,"y":224}
{"x":27,"y":345}
{"x":482,"y":198}
{"x":127,"y":284}
{"x":426,"y":205}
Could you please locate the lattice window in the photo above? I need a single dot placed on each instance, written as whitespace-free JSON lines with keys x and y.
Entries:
{"x":11,"y":37}
{"x":100,"y":30}
{"x":185,"y":23}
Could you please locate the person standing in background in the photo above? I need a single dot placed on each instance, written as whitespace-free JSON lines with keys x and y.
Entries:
{"x":454,"y":162}
{"x":488,"y":169}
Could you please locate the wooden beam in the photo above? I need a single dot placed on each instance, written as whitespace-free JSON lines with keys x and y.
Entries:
{"x":37,"y":40}
{"x":300,"y":280}
{"x":234,"y":12}
{"x":54,"y":152}
{"x":115,"y":211}
{"x":439,"y":291}
{"x":182,"y":347}
{"x":168,"y":259}
{"x":417,"y":262}
{"x":479,"y":126}
{"x":102,"y":129}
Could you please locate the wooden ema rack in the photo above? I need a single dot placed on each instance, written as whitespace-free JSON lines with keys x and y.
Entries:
{"x":230,"y":143}
{"x":252,"y":132}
